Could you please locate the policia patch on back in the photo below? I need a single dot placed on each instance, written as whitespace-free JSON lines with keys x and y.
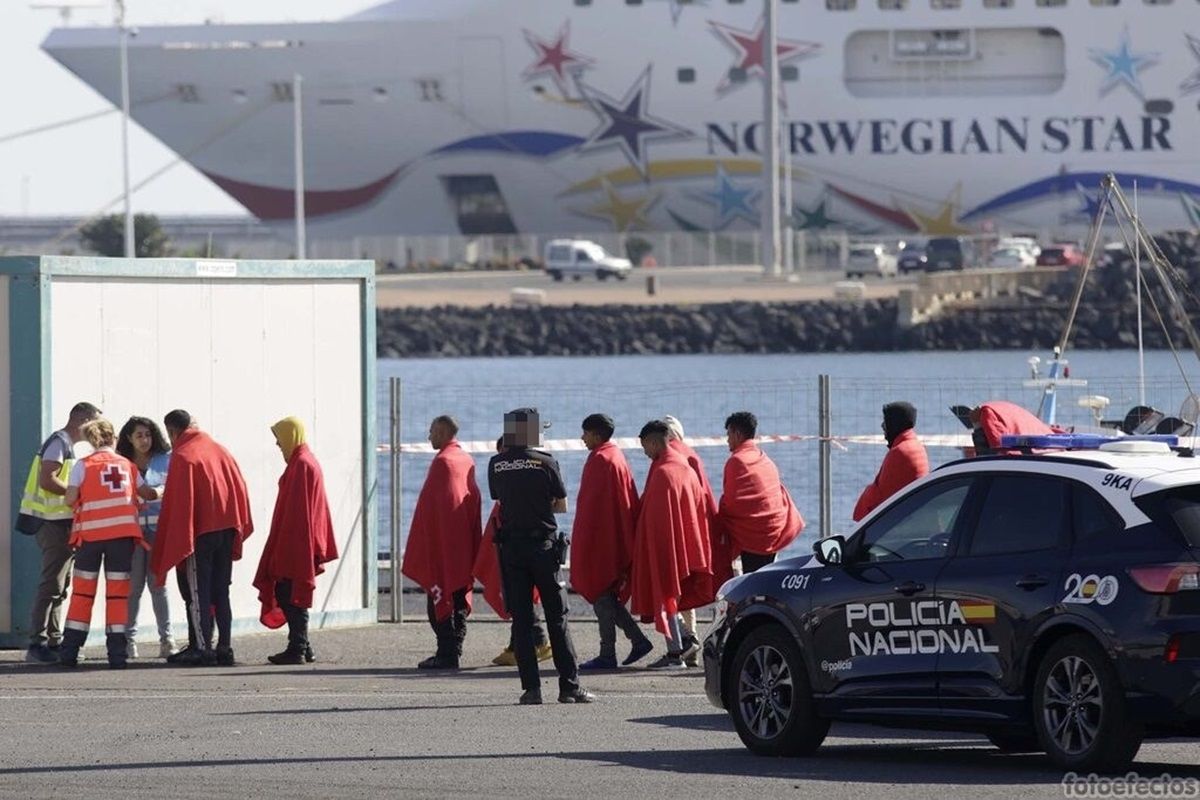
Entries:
{"x":526,"y":482}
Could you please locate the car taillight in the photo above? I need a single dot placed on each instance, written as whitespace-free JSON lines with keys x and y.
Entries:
{"x":1166,"y":578}
{"x":1171,"y":652}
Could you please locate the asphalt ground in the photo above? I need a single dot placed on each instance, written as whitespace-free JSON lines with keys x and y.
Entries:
{"x":675,"y":285}
{"x":363,"y":723}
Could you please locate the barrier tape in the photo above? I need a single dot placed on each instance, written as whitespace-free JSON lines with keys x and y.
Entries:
{"x":632,"y":442}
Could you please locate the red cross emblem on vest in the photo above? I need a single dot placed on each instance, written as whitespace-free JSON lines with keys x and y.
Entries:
{"x":114,"y":478}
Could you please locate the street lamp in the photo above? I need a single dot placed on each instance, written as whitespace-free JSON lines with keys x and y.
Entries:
{"x":130,"y":245}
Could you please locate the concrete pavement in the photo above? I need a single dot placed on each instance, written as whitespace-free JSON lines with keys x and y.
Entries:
{"x":363,"y":723}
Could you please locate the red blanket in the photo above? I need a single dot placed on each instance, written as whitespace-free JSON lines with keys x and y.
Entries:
{"x":671,"y":553}
{"x":204,"y":493}
{"x":905,"y":462}
{"x":487,"y":566}
{"x":756,"y":511}
{"x":605,"y":516}
{"x":446,"y":530}
{"x":301,"y":540}
{"x":718,"y":539}
{"x":999,"y":417}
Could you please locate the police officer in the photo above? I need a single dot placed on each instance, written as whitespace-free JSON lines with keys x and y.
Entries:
{"x":530,"y":489}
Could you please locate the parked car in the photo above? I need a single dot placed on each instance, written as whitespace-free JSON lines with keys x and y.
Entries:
{"x":949,"y":252}
{"x":1023,"y":242}
{"x":1050,"y":602}
{"x":579,"y":257}
{"x":1061,"y":255}
{"x":870,"y":259}
{"x":912,"y":257}
{"x":1011,"y":258}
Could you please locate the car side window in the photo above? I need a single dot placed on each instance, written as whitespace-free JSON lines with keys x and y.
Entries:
{"x":1021,"y":513}
{"x":582,"y":257}
{"x":1092,"y":515}
{"x":920,"y":526}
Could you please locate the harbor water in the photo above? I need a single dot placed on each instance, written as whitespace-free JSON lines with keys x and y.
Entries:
{"x":780,"y":389}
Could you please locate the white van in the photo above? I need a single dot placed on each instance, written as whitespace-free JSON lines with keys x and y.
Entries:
{"x":579,"y":257}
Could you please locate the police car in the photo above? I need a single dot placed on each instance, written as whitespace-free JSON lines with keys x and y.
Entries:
{"x":1050,"y":601}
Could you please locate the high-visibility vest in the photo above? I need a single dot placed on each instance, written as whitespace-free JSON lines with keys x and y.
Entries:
{"x":36,"y":501}
{"x":108,"y":502}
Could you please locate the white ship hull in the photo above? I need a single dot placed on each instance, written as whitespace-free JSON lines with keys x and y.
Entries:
{"x":494,"y":116}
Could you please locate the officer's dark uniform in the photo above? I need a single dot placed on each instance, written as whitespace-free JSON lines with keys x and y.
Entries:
{"x":527,"y":482}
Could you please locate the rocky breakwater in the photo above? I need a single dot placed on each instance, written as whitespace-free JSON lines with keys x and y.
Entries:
{"x":1106,"y":320}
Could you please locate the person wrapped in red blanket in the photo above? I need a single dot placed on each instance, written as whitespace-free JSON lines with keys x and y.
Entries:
{"x":905,"y":462}
{"x":995,"y":418}
{"x":204,"y":519}
{"x":756,"y":512}
{"x":672,"y":568}
{"x":300,"y":543}
{"x":444,"y":540}
{"x":602,"y":542}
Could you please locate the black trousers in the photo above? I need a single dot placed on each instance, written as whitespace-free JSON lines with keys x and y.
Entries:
{"x":297,"y":617}
{"x":527,"y":563}
{"x":753,"y":562}
{"x":185,"y":589}
{"x":213,"y":561}
{"x":451,"y":631}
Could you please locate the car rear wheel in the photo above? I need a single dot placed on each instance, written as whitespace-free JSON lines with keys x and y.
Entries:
{"x":769,"y":696}
{"x":1080,"y":711}
{"x":601,"y":275}
{"x":556,"y":275}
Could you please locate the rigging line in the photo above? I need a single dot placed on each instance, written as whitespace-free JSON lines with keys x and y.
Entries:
{"x":1162,"y":323}
{"x":64,"y":123}
{"x":219,"y":134}
{"x":1093,"y":240}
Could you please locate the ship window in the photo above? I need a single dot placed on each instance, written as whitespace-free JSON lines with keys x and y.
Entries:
{"x":997,"y":3}
{"x":893,"y":5}
{"x":840,"y":5}
{"x":737,"y":75}
{"x":789,"y":72}
{"x":633,"y":2}
{"x":583,"y":2}
{"x":187,"y":93}
{"x":686,"y":75}
{"x":281,"y":92}
{"x":944,"y":5}
{"x":478,"y":204}
{"x":1050,"y":3}
{"x":948,"y":62}
{"x":1106,"y":2}
{"x":1157,"y":2}
{"x":735,"y":2}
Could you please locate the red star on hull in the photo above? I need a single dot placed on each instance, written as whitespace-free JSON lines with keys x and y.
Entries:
{"x":555,"y":59}
{"x":749,"y":48}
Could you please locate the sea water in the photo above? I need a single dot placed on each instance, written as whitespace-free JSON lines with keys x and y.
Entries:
{"x":702,"y":390}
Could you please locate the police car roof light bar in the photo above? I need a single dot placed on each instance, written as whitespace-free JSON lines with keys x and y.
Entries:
{"x":1079,"y":441}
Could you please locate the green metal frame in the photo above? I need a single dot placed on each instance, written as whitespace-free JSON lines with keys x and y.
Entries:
{"x":30,"y":347}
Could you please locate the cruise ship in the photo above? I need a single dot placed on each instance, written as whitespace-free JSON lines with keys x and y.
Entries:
{"x":472,"y":117}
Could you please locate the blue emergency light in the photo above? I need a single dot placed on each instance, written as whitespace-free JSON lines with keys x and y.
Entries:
{"x":1079,"y":441}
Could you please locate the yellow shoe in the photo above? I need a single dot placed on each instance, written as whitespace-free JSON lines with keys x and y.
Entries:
{"x":507,"y":658}
{"x":544,"y":652}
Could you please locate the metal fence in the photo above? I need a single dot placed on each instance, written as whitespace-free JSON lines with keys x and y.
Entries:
{"x":823,"y":432}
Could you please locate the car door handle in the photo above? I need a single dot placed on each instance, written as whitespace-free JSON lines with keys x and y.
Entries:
{"x":909,"y":588}
{"x":1032,"y":582}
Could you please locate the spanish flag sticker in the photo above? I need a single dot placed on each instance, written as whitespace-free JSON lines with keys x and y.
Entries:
{"x":977,"y":611}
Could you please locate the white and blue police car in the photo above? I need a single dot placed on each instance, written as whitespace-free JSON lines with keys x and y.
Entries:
{"x":1049,"y":600}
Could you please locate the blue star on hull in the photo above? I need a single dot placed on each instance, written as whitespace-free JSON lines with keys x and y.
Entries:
{"x":1122,"y":65}
{"x":627,"y":123}
{"x":731,"y":201}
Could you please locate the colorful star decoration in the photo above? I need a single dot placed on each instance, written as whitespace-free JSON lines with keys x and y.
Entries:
{"x":623,"y":213}
{"x":627,"y":123}
{"x":677,"y":7}
{"x":817,"y":219}
{"x":556,"y":59}
{"x":1089,"y":202}
{"x":749,"y":48}
{"x":731,"y":201}
{"x":1191,"y":208}
{"x":945,"y":221}
{"x":1122,"y":65}
{"x":1192,"y":83}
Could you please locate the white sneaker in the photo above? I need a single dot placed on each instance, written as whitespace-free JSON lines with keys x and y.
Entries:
{"x":668,"y":662}
{"x":167,"y":649}
{"x":131,"y":649}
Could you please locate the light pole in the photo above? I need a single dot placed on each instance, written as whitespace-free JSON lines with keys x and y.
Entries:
{"x":130,"y":245}
{"x":298,"y":126}
{"x":770,"y":138}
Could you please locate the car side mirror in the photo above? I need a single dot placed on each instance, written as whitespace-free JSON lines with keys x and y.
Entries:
{"x":829,"y":551}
